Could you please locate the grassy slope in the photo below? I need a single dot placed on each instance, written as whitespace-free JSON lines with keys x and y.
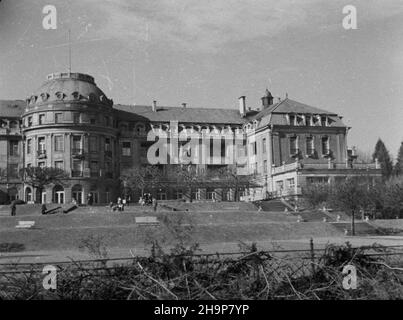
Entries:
{"x":118,"y":229}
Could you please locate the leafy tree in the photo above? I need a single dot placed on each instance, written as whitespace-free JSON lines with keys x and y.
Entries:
{"x":382,"y":154}
{"x":41,"y":177}
{"x":392,"y":198}
{"x":398,"y":169}
{"x":141,"y":178}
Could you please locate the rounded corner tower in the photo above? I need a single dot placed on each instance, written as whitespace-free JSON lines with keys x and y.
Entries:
{"x":69,"y":123}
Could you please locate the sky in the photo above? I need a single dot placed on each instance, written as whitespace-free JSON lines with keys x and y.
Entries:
{"x":208,"y":53}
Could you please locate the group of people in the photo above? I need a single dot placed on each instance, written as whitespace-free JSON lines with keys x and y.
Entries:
{"x":119,"y":205}
{"x":147,"y":200}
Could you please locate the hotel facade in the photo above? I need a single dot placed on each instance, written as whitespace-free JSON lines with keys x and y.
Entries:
{"x":70,"y":123}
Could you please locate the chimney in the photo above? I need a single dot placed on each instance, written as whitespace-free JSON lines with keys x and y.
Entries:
{"x":154,"y":106}
{"x":242,"y":106}
{"x":267,"y":99}
{"x":183,"y":105}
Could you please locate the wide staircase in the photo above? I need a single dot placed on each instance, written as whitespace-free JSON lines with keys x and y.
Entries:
{"x":362,"y":228}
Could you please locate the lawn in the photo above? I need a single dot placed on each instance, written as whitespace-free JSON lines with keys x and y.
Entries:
{"x":118,"y":229}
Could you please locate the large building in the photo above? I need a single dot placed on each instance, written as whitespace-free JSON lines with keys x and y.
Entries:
{"x":71,"y":124}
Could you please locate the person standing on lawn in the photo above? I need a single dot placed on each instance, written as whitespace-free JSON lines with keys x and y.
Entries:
{"x":44,"y":209}
{"x":13,"y":209}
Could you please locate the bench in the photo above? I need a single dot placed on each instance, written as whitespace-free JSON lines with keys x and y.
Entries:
{"x":25,"y":224}
{"x":147,"y":220}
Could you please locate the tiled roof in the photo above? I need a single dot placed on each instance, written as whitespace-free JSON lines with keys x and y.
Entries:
{"x":275,"y":114}
{"x":188,"y":114}
{"x":291,"y":106}
{"x":11,"y":108}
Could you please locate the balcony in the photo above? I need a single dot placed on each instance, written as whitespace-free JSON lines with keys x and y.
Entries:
{"x":41,"y":154}
{"x":330,"y":165}
{"x":76,"y":173}
{"x":77,"y":153}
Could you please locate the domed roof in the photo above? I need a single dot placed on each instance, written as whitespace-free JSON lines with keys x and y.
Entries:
{"x":69,"y":87}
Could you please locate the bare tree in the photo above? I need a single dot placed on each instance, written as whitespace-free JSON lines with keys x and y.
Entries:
{"x":41,"y":177}
{"x":141,"y":178}
{"x":187,"y":176}
{"x":228,"y":177}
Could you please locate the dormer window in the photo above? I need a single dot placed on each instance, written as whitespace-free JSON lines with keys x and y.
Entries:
{"x":91,"y":97}
{"x":323,"y":121}
{"x":76,"y":95}
{"x":292,"y":120}
{"x":300,"y":120}
{"x":60,"y":95}
{"x":44,"y":96}
{"x":33,"y":99}
{"x":308,"y":120}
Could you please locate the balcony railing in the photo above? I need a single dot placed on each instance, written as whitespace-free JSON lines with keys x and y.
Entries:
{"x":41,"y":154}
{"x":76,"y":173}
{"x":324,"y":166}
{"x":77,"y":153}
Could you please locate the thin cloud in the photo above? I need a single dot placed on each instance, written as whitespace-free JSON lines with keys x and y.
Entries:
{"x":210,"y":25}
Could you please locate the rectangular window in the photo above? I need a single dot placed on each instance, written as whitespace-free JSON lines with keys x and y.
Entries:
{"x":325,"y":145}
{"x":29,"y":146}
{"x":59,"y":165}
{"x":94,"y":168}
{"x":58,"y":117}
{"x":29,"y":124}
{"x":107,"y":121}
{"x":76,"y":117}
{"x":280,"y":185}
{"x":77,"y":143}
{"x":59,"y":143}
{"x":293,"y":145}
{"x":290,"y":183}
{"x":253,"y":148}
{"x":265,"y":166}
{"x":93,"y":121}
{"x":292,"y":120}
{"x":93,"y":144}
{"x":323,"y":121}
{"x":126,"y":149}
{"x":310,"y":148}
{"x":77,"y":168}
{"x":308,"y":120}
{"x":107,"y":144}
{"x":41,"y":145}
{"x":108,"y":169}
{"x":13,"y":148}
{"x":13,"y":170}
{"x":264,"y":145}
{"x":41,"y":119}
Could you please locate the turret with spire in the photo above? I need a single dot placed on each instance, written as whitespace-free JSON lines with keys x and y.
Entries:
{"x":267,"y":99}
